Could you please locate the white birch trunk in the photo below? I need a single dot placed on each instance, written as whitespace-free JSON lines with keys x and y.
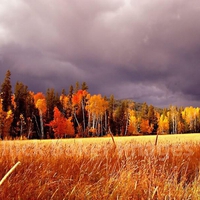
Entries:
{"x":41,"y":124}
{"x":83,"y":115}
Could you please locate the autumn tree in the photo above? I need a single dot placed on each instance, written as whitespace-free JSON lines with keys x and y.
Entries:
{"x":65,"y":104}
{"x":163,"y":124}
{"x":79,"y":112}
{"x":144,"y":126}
{"x":181,"y":121}
{"x":40,"y":104}
{"x":152,"y":117}
{"x":173,"y":114}
{"x":191,"y":117}
{"x":6,"y":119}
{"x":133,"y":123}
{"x":96,"y":107}
{"x":62,"y":127}
{"x":2,"y":117}
{"x":6,"y":92}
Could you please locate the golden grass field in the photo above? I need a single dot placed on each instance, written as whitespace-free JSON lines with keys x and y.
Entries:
{"x":95,"y":168}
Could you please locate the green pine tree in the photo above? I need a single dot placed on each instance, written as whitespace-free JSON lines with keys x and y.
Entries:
{"x":6,"y":92}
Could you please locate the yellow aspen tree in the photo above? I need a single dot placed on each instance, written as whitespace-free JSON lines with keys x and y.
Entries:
{"x":191,"y":116}
{"x":2,"y":116}
{"x":132,"y":127}
{"x":96,"y":107}
{"x":40,"y":104}
{"x":7,"y":123}
{"x":163,"y":125}
{"x":6,"y":119}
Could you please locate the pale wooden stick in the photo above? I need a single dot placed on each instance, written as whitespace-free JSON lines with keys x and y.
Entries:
{"x":154,"y":192}
{"x":9,"y":172}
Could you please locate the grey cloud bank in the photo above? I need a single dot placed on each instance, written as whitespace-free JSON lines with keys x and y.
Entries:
{"x":144,"y":50}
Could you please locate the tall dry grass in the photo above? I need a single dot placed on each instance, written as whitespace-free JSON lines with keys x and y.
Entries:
{"x":129,"y":170}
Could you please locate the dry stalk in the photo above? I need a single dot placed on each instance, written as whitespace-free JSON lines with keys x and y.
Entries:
{"x":9,"y":172}
{"x":113,"y":139}
{"x":156,"y":141}
{"x":154,"y":192}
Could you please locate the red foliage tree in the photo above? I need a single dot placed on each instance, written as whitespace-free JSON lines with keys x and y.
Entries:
{"x":61,"y":126}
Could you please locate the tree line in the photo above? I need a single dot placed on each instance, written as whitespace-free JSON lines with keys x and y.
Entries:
{"x":77,"y":113}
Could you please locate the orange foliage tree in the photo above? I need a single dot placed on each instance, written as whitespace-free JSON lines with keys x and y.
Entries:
{"x":145,"y":128}
{"x":78,"y":103}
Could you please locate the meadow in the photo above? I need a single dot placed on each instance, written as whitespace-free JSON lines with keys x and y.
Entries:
{"x":97,"y":168}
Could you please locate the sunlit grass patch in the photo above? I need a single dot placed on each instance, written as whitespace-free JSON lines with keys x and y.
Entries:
{"x":96,"y":169}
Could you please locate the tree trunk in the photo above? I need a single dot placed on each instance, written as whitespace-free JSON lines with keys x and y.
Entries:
{"x":41,"y":125}
{"x":88,"y":122}
{"x":106,"y":125}
{"x":38,"y":130}
{"x":76,"y":118}
{"x":101,"y":126}
{"x":83,"y":115}
{"x":126,"y":128}
{"x":21,"y":127}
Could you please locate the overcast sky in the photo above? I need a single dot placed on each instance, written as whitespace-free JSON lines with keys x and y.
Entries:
{"x":147,"y":50}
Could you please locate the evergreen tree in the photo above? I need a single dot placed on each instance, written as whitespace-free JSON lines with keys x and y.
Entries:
{"x":77,"y":87}
{"x":111,"y":123}
{"x":153,"y":121}
{"x":144,"y":127}
{"x":144,"y":111}
{"x":6,"y":92}
{"x":70,"y":94}
{"x":121,"y":118}
{"x":84,"y":86}
{"x":63,"y":92}
{"x":22,"y":108}
{"x":52,"y":100}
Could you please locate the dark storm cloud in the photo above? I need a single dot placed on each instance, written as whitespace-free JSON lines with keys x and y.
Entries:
{"x":145,"y":50}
